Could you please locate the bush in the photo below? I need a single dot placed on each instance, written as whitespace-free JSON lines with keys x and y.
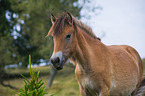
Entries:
{"x":34,"y":87}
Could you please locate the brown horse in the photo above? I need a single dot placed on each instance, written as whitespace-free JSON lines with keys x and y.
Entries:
{"x":100,"y":70}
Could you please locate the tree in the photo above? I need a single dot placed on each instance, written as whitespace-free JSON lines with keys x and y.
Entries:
{"x":34,"y":21}
{"x":8,"y":53}
{"x":23,"y":27}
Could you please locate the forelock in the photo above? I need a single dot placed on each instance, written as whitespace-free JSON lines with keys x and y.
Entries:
{"x":59,"y":25}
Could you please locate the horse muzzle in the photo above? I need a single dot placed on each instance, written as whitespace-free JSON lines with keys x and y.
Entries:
{"x":58,"y":60}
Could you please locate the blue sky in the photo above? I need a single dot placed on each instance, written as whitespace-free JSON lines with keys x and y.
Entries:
{"x":122,"y":21}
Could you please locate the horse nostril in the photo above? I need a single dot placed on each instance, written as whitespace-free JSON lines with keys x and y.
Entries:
{"x":56,"y":60}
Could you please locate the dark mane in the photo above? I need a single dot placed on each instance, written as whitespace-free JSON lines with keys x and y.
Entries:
{"x":61,"y":23}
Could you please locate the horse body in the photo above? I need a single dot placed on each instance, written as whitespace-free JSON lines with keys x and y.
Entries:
{"x":105,"y":69}
{"x":100,"y":70}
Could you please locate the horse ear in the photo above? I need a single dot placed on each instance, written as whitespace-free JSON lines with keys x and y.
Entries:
{"x":69,"y":18}
{"x":53,"y":18}
{"x":50,"y":31}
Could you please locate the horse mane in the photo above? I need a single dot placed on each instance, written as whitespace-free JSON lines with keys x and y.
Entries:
{"x":61,"y":23}
{"x":85,"y":27}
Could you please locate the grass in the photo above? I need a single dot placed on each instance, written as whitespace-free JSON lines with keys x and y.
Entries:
{"x":64,"y":84}
{"x":42,"y":69}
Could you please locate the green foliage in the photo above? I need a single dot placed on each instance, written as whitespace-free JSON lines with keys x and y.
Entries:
{"x":65,"y":83}
{"x":23,"y":27}
{"x":143,"y":60}
{"x":35,"y":15}
{"x":6,"y":40}
{"x":34,"y":87}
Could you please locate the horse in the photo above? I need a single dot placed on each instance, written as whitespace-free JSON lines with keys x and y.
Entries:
{"x":101,"y":70}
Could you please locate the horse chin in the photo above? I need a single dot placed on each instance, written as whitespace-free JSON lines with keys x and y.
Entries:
{"x":59,"y":68}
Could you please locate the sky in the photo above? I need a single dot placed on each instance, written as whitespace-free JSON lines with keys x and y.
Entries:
{"x":117,"y":22}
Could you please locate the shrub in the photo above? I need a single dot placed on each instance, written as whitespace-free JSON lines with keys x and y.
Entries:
{"x":34,"y":87}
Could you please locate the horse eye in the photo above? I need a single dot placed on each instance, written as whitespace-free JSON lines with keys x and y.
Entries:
{"x":68,"y":36}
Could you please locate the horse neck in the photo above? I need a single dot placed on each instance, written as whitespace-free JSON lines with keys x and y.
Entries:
{"x":86,"y":46}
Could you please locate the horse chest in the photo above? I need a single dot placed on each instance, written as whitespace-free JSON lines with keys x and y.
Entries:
{"x":88,"y":86}
{"x":87,"y":83}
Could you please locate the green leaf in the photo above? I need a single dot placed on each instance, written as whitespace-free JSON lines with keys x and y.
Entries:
{"x":23,"y":94}
{"x":30,"y":65}
{"x":52,"y":95}
{"x":25,"y":78}
{"x":40,"y":81}
{"x":40,"y":84}
{"x":37,"y":75}
{"x":21,"y":90}
{"x":26,"y":88}
{"x":15,"y":93}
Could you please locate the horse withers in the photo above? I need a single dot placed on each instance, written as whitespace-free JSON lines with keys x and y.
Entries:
{"x":100,"y":70}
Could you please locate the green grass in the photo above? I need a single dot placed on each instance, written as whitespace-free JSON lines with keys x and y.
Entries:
{"x":42,"y":69}
{"x":64,"y":84}
{"x":143,"y":60}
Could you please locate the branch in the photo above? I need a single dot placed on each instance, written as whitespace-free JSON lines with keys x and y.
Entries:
{"x":8,"y":85}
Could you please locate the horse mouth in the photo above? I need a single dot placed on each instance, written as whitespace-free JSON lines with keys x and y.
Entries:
{"x":58,"y":60}
{"x":59,"y":68}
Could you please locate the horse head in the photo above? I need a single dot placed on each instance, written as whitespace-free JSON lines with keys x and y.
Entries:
{"x":63,"y":32}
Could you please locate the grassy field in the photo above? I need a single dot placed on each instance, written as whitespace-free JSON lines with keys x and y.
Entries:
{"x":65,"y":83}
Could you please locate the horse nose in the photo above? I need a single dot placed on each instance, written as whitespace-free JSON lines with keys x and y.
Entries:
{"x":55,"y":60}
